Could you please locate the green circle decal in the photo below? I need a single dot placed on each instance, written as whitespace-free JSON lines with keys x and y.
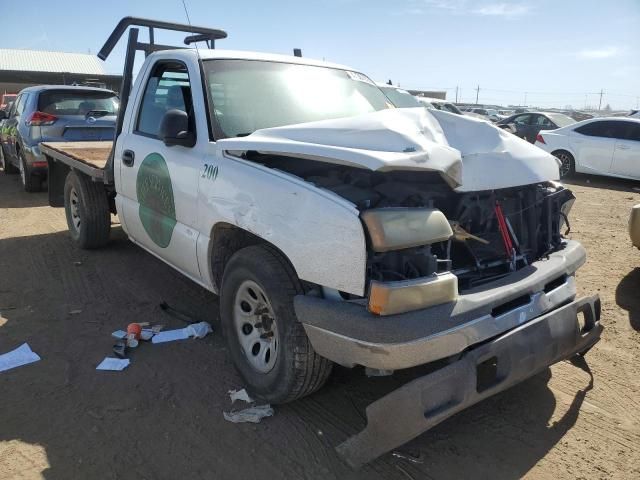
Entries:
{"x":155,"y":196}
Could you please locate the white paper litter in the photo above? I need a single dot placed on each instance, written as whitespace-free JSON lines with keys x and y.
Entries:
{"x":196,"y":330}
{"x":113,"y":364}
{"x":119,"y":334}
{"x":240,"y":395}
{"x":146,"y":334}
{"x":18,"y":357}
{"x":170,"y":335}
{"x":199,"y":330}
{"x":251,"y":414}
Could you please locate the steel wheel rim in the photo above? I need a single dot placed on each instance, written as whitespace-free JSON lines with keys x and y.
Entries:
{"x":74,"y":207}
{"x":565,"y":164}
{"x":256,"y":327}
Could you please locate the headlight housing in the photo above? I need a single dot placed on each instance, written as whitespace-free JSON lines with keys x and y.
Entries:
{"x":398,"y":228}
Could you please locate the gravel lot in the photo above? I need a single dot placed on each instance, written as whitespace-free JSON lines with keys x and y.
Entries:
{"x":162,"y":417}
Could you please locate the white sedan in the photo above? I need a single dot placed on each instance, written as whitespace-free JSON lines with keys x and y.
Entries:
{"x":598,"y":146}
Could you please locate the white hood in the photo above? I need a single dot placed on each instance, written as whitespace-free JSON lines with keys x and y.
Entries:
{"x":470,"y":154}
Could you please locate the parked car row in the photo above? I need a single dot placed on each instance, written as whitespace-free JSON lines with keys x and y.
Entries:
{"x":52,"y":113}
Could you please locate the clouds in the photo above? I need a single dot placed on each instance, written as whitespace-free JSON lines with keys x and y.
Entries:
{"x":503,"y":10}
{"x":460,"y":7}
{"x":600,"y":53}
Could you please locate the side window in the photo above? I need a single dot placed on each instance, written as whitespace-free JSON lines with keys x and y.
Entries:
{"x":634,"y":131}
{"x":19,"y":106}
{"x":542,"y":121}
{"x":167,"y":88}
{"x":596,"y":129}
{"x":522,"y":119}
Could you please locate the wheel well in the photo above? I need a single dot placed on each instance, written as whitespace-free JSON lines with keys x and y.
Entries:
{"x":563,"y":151}
{"x":227,"y":239}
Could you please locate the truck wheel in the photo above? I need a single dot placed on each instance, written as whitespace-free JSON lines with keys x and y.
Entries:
{"x":30,"y":182}
{"x":87,"y":210}
{"x":267,"y":343}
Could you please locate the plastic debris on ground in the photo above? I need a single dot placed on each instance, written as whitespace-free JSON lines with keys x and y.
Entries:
{"x":22,"y":355}
{"x":113,"y":364}
{"x":240,"y":395}
{"x":249,"y":415}
{"x":196,"y":330}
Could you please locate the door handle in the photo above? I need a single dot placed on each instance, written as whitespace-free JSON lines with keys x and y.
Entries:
{"x":128,"y":158}
{"x":623,"y":147}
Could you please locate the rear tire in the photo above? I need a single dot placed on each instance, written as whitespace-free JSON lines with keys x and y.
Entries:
{"x":87,"y":210}
{"x":30,"y":182}
{"x":270,"y":349}
{"x":568,"y":163}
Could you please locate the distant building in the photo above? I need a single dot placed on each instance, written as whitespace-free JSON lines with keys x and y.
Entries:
{"x":24,"y":68}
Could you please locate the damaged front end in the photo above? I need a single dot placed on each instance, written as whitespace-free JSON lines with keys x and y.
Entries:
{"x":428,"y":242}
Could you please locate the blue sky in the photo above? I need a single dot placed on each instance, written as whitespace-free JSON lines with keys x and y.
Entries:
{"x":558,"y":52}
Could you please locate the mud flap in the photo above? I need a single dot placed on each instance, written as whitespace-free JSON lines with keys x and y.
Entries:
{"x":483,"y":371}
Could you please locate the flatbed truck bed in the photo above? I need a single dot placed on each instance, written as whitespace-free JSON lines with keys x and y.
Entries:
{"x":90,"y":158}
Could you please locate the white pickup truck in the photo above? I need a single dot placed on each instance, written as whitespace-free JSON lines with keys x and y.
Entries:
{"x":337,"y":229}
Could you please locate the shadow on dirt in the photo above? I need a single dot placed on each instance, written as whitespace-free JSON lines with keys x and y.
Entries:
{"x":607,"y":183}
{"x":628,"y":296}
{"x":162,"y":416}
{"x":12,"y":195}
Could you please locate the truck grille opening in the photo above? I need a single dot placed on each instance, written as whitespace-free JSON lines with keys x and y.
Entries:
{"x":553,"y":284}
{"x":511,"y":305}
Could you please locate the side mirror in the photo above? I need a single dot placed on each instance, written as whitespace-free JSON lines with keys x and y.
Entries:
{"x":174,"y":129}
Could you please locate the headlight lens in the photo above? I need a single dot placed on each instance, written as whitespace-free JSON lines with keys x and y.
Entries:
{"x":390,"y":298}
{"x":396,"y":228}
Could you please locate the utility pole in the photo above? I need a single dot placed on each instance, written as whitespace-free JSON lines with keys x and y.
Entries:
{"x":456,"y":93}
{"x":600,"y":104}
{"x":477,"y":94}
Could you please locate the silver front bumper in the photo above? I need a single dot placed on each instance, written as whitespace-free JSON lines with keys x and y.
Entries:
{"x":348,"y":335}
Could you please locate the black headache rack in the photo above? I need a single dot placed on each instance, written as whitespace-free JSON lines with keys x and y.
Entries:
{"x":196,"y":34}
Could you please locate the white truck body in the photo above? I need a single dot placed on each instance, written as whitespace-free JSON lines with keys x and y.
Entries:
{"x":293,"y":214}
{"x":375,"y":239}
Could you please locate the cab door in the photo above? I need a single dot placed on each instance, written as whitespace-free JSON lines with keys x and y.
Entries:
{"x":158,"y":184}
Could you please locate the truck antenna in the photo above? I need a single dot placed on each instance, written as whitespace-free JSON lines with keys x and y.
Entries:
{"x":186,"y":12}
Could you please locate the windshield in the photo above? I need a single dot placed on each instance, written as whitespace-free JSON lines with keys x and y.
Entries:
{"x":560,"y":119}
{"x":492,"y":112}
{"x":401,"y":98}
{"x":248,"y":95}
{"x":77,"y":102}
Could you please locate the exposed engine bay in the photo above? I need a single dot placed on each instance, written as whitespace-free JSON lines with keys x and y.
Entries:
{"x":494,"y":232}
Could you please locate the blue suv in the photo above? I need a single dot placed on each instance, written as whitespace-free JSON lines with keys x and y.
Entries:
{"x":53,"y":114}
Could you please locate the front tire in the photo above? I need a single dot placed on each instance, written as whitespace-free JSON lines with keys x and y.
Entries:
{"x":266,"y":342}
{"x":87,"y":211}
{"x":567,"y":163}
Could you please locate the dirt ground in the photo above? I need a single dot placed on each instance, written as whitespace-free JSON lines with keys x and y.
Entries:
{"x":162,"y":417}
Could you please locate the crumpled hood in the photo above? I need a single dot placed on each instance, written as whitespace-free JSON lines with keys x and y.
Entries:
{"x":470,"y":154}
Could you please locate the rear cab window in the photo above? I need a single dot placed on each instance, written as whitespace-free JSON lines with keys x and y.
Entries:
{"x":78,"y":102}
